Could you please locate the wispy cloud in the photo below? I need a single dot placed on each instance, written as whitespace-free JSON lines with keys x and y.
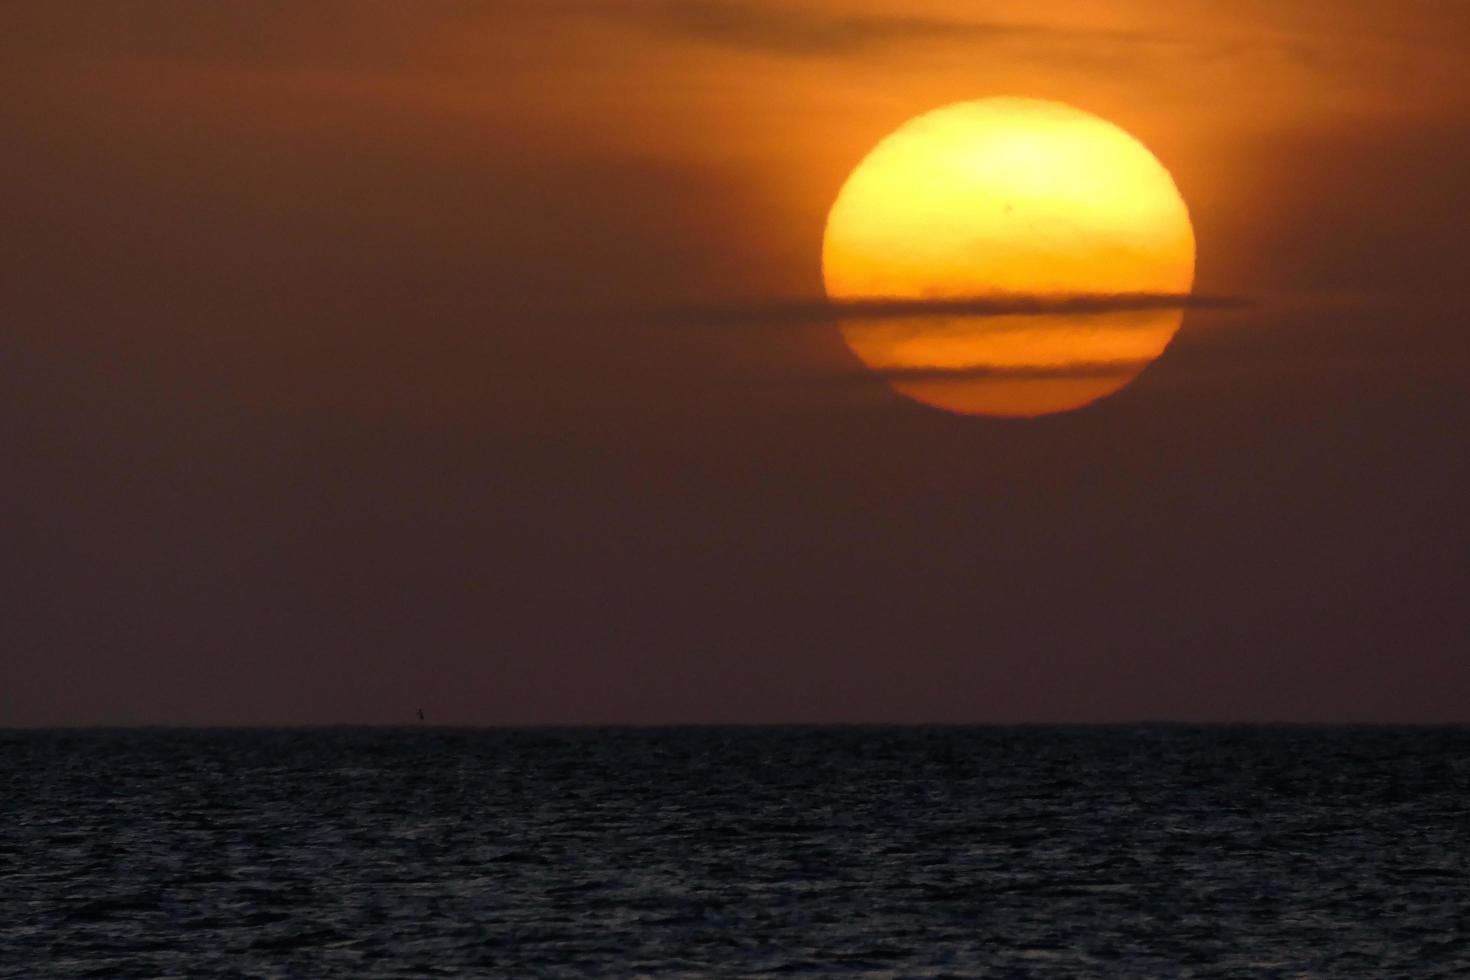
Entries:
{"x":1078,"y":370}
{"x":818,"y":311}
{"x":807,"y":31}
{"x":810,"y":30}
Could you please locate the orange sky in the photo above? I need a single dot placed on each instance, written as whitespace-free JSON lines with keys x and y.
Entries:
{"x":769,"y":100}
{"x":329,"y":338}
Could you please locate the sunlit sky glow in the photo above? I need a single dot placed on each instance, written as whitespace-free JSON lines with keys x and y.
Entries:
{"x":342,"y":375}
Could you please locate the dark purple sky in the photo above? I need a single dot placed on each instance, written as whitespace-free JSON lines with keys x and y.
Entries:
{"x":331,"y":387}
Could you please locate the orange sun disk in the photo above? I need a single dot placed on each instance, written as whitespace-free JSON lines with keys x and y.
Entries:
{"x":1005,"y":198}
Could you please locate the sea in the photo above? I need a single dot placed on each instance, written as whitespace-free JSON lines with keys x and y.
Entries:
{"x":1077,"y":852}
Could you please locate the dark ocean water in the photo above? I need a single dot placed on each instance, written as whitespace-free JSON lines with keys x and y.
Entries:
{"x":882,"y":852}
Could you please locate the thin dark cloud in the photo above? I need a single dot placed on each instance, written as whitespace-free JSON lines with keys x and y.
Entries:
{"x":788,"y":29}
{"x":804,"y":31}
{"x":1074,"y":371}
{"x":825,"y":311}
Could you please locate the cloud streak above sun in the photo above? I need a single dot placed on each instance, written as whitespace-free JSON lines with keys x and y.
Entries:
{"x":816,"y":32}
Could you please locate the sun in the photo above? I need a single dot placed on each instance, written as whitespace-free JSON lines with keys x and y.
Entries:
{"x":1009,"y":198}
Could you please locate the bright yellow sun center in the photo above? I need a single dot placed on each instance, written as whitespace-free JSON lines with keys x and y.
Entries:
{"x":1005,"y":198}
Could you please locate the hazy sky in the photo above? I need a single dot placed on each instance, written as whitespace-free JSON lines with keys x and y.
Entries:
{"x":340,"y":375}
